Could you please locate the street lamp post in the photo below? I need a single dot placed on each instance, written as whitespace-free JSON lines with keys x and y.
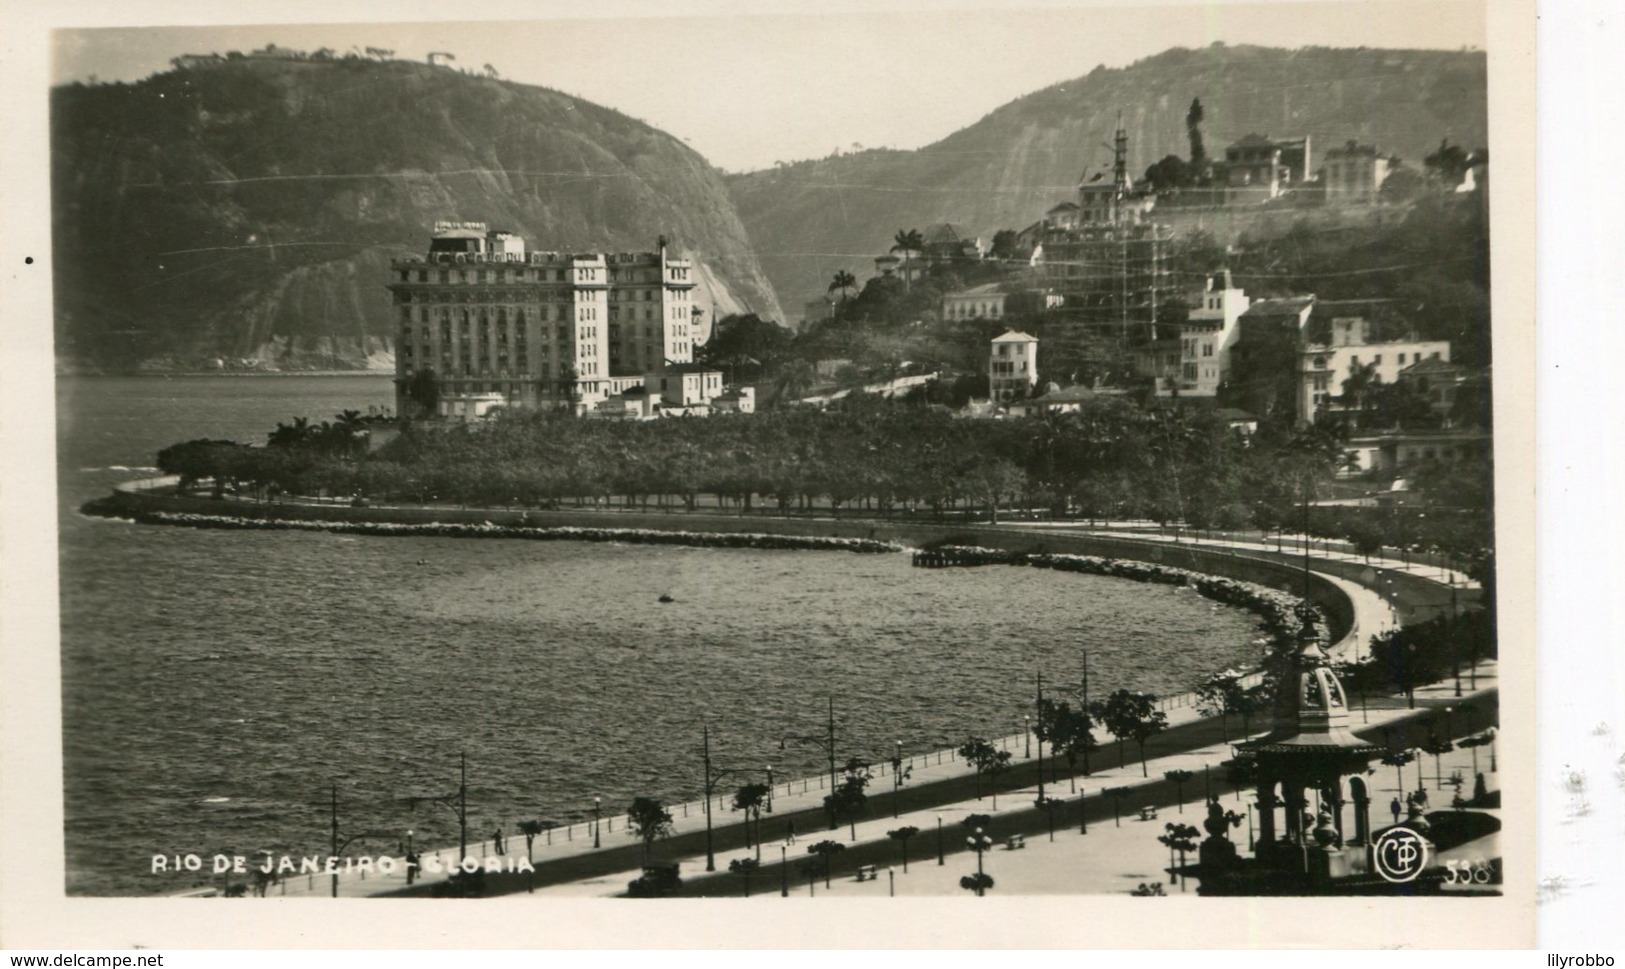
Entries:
{"x":712,"y":776}
{"x":979,"y":843}
{"x":456,"y":804}
{"x":941,"y":861}
{"x":597,"y":807}
{"x":338,"y":845}
{"x":1027,"y":734}
{"x":784,"y":870}
{"x":826,"y":744}
{"x":769,"y":788}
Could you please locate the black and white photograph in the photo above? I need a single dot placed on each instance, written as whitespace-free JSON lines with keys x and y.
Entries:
{"x":959,"y":456}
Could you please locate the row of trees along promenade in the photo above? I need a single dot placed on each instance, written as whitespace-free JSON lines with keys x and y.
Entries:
{"x":862,"y":458}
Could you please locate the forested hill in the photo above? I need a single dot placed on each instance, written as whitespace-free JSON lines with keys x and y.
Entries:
{"x":811,"y":218}
{"x":247,"y":210}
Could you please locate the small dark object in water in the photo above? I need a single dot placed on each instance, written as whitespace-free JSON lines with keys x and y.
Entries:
{"x":666,"y":597}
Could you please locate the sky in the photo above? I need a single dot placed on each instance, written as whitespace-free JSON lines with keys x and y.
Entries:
{"x":771,"y":83}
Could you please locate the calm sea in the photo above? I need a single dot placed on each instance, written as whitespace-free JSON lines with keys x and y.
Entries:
{"x":215,"y":684}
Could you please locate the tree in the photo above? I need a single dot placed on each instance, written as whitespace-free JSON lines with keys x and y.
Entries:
{"x":1397,"y":759}
{"x":1117,"y":794}
{"x":1133,"y":716}
{"x":1193,"y":130}
{"x":1069,"y":732}
{"x":1179,"y":777}
{"x":1180,"y":838}
{"x":1401,"y":186}
{"x":843,"y":281}
{"x":1437,"y":747}
{"x":649,"y":820}
{"x":908,"y":242}
{"x":422,"y":389}
{"x":750,"y":798}
{"x":1221,"y":694}
{"x":1168,"y":174}
{"x":1449,"y":164}
{"x":745,"y":867}
{"x":849,"y":800}
{"x":826,"y":850}
{"x":1006,"y":245}
{"x":988,"y":761}
{"x":530,"y":829}
{"x":1409,"y":657}
{"x":901,"y":836}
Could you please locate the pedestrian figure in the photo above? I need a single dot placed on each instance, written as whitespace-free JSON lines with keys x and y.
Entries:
{"x":497,"y":837}
{"x":790,"y":834}
{"x":1395,"y":807}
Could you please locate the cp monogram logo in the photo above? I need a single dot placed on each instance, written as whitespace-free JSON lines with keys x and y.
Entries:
{"x":1400,"y":855}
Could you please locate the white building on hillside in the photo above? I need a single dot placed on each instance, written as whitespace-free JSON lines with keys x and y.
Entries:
{"x":1012,"y":365}
{"x":985,"y":302}
{"x":1206,"y":339}
{"x":1323,"y":369}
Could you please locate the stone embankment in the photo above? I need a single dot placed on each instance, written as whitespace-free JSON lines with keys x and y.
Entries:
{"x":1277,"y":609}
{"x":565,"y":533}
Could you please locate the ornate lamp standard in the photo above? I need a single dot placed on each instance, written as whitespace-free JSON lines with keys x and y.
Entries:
{"x":784,"y":869}
{"x":1027,"y":734}
{"x":769,"y":788}
{"x":940,"y":858}
{"x":979,"y":843}
{"x":597,"y":806}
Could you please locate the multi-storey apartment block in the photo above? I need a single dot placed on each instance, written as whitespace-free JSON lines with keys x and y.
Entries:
{"x":494,"y":323}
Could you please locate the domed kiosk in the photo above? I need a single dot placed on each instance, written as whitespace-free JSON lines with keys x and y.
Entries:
{"x":1311,"y":749}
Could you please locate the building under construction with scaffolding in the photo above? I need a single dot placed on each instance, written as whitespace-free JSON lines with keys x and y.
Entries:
{"x":1108,"y":261}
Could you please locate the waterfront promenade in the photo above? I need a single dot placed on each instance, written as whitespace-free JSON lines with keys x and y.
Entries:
{"x":938,"y":787}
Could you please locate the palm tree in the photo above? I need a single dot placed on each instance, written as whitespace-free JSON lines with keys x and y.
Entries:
{"x":908,"y":242}
{"x":843,"y":281}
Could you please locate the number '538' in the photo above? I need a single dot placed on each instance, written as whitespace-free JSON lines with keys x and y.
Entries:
{"x":1459,"y":872}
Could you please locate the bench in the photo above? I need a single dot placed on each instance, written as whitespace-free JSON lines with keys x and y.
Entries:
{"x":1015,"y":841}
{"x":1148,"y":813}
{"x":867,"y":873}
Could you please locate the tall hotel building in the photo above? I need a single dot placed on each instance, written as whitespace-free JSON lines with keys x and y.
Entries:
{"x":499,"y":325}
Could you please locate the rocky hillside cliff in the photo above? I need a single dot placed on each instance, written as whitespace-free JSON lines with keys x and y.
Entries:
{"x":1004,"y":171}
{"x":245,"y":212}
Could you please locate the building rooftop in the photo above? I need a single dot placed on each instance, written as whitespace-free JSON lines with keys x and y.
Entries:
{"x":942,"y":232}
{"x":1015,"y":336}
{"x":1290,"y":306}
{"x":1430,"y":365}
